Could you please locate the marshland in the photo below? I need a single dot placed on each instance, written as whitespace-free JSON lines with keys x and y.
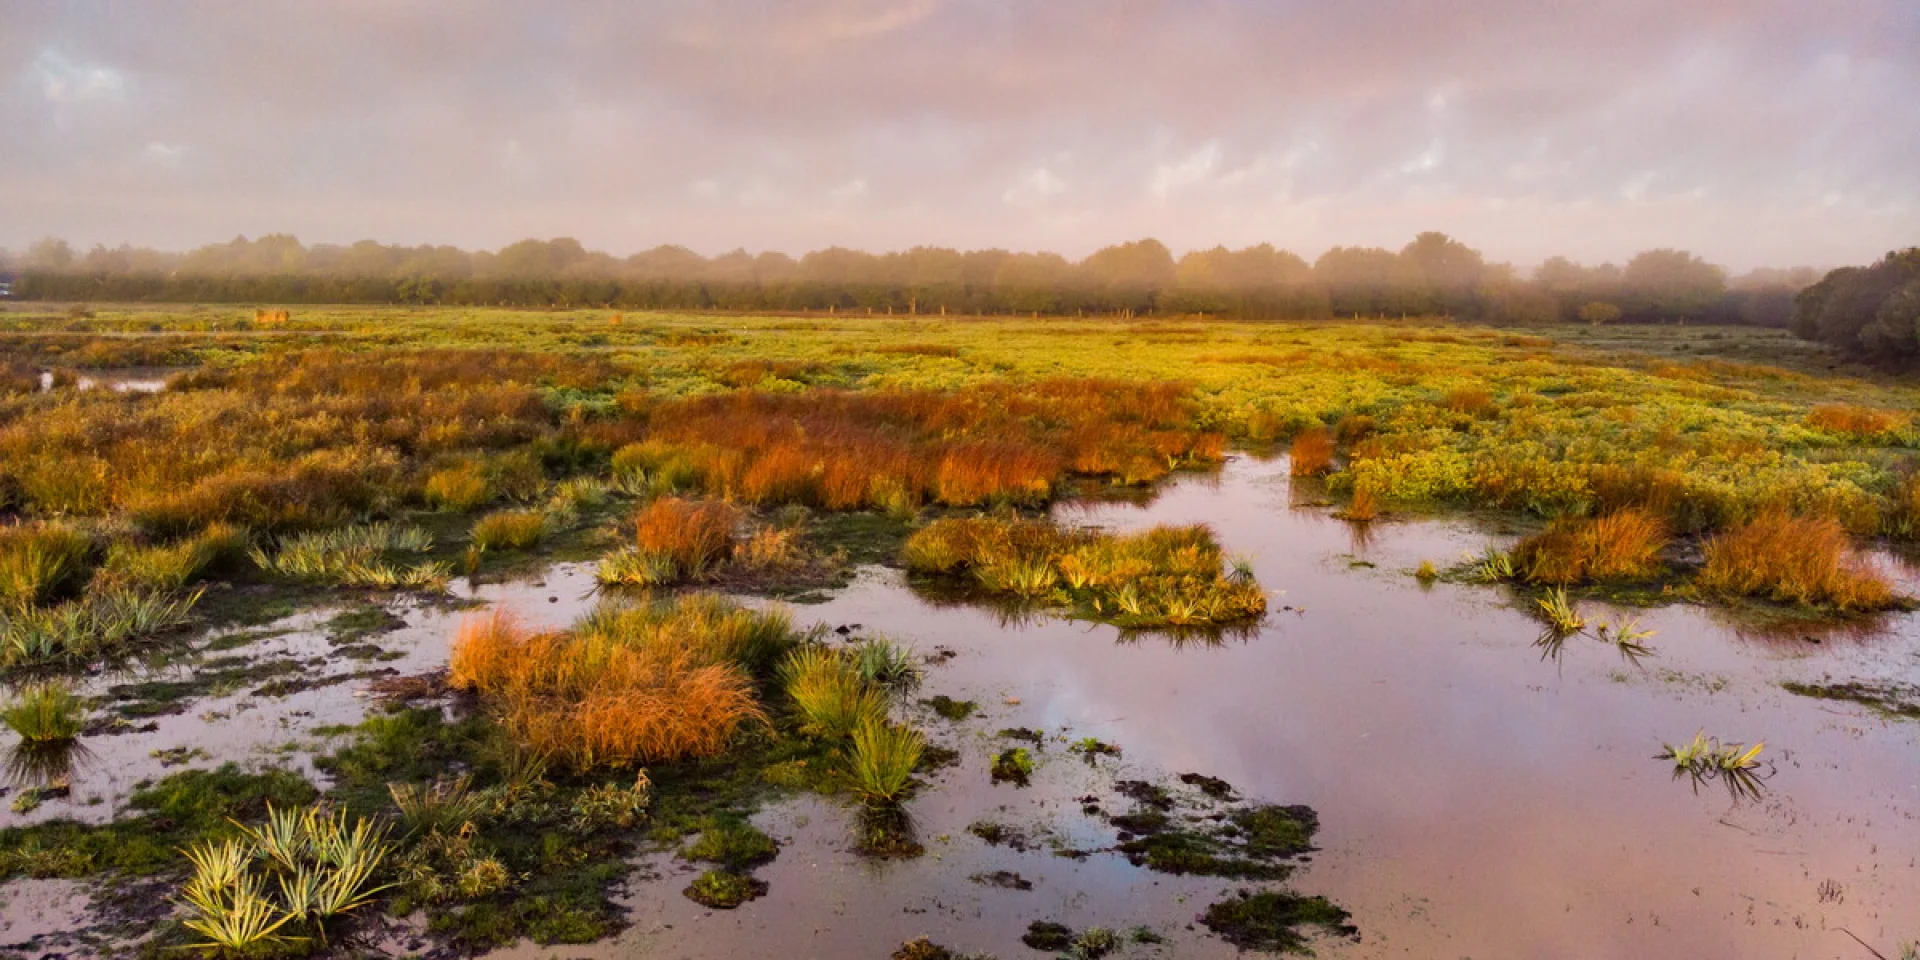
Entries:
{"x":475,"y":632}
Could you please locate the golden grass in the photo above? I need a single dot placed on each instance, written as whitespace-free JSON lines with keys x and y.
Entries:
{"x":460,"y":488}
{"x":509,"y":529}
{"x":695,"y":534}
{"x":828,"y":691}
{"x":39,"y":560}
{"x":1165,"y":576}
{"x":1805,"y":560}
{"x":1862,"y":423}
{"x":1622,"y":545}
{"x":600,"y":697}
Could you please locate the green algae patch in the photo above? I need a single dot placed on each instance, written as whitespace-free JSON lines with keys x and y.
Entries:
{"x":1272,"y":921}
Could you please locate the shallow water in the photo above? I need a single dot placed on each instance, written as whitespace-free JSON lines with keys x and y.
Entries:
{"x":1475,"y":798}
{"x":121,"y":380}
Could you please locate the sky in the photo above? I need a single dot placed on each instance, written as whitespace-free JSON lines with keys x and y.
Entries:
{"x":1752,"y":132}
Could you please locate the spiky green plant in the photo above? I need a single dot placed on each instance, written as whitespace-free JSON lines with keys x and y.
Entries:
{"x":1704,"y":758}
{"x":634,"y":567}
{"x":225,"y":903}
{"x":1560,"y":612}
{"x":1628,"y":637}
{"x":880,"y":764}
{"x":446,"y":804}
{"x":355,"y":556}
{"x":888,"y":665}
{"x":1021,"y":576}
{"x":46,"y":713}
{"x":826,"y":688}
{"x":101,"y":622}
{"x":174,"y":565}
{"x":37,"y":560}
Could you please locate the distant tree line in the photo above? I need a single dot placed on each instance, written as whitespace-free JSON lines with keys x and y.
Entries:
{"x":1871,"y":312}
{"x":1433,"y":275}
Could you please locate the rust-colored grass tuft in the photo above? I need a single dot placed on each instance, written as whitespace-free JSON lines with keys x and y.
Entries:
{"x":1805,"y":560}
{"x":696,"y":534}
{"x":1364,"y":507}
{"x":636,"y":685}
{"x":1860,"y":423}
{"x":1312,"y":452}
{"x":1622,"y":545}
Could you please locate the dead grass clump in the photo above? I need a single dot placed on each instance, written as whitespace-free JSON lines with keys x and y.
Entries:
{"x":1312,"y":452}
{"x":602,"y":698}
{"x":1804,"y":560}
{"x":695,"y":534}
{"x":1622,"y":545}
{"x":1860,"y":423}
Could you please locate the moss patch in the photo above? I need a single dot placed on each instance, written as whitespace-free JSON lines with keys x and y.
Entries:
{"x":1272,"y":920}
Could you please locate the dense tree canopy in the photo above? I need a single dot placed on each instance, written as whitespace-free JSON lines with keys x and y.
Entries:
{"x":1871,"y":311}
{"x":1433,"y":274}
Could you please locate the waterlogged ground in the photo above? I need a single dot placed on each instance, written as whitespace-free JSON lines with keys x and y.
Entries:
{"x":1476,"y":797}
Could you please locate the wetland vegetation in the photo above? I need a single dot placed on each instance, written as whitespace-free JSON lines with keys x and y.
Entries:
{"x":699,"y":468}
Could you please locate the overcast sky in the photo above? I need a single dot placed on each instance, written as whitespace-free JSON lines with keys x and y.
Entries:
{"x":1754,"y":132}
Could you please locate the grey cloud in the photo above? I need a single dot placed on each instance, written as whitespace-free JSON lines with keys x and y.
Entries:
{"x":1753,"y":131}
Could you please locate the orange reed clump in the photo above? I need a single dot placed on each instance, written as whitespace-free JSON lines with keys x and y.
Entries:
{"x":695,"y":533}
{"x":1312,"y":452}
{"x":1621,"y":545}
{"x":593,"y":699}
{"x":1856,"y":421}
{"x":1807,"y":560}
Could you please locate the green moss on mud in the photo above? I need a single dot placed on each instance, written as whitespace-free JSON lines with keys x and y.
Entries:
{"x":168,"y":815}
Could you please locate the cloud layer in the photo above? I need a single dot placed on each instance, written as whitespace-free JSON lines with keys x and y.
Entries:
{"x":1752,"y":131}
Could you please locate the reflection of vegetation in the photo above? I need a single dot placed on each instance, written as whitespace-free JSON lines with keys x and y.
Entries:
{"x":1702,"y":759}
{"x":1898,"y":700}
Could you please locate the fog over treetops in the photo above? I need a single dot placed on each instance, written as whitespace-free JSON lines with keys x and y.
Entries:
{"x":1752,"y":133}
